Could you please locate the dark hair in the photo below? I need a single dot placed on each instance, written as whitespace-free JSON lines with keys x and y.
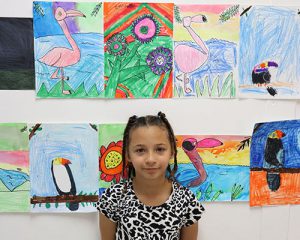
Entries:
{"x":135,"y":122}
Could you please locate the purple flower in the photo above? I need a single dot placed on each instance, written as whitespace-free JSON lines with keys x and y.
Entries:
{"x":145,"y":28}
{"x":116,"y":44}
{"x":160,"y":60}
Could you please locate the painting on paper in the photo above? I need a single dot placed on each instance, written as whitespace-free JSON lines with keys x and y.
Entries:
{"x":138,"y":50}
{"x":205,"y":50}
{"x":110,"y":158}
{"x":269,"y":62}
{"x":275,"y":163}
{"x":214,"y":167}
{"x":68,"y":49}
{"x":63,"y":167}
{"x":16,"y":55}
{"x":14,"y":168}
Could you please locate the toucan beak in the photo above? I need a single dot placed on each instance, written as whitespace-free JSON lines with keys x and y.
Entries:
{"x":280,"y":134}
{"x":74,"y":13}
{"x":65,"y":161}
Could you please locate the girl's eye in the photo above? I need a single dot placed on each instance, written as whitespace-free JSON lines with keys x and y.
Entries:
{"x":140,"y":150}
{"x":160,"y":149}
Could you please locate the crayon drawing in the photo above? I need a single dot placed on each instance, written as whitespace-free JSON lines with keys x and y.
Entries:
{"x":16,"y":55}
{"x":138,"y":50}
{"x":275,"y":163}
{"x":110,"y":158}
{"x":214,"y":167}
{"x":269,"y":62}
{"x":205,"y":50}
{"x":14,"y":168}
{"x":68,"y":49}
{"x":63,"y":167}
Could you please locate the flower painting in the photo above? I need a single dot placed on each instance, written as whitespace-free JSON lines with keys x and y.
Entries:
{"x":110,"y":158}
{"x":138,"y":50}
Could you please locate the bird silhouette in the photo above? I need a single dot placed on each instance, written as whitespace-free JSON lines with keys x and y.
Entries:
{"x":274,"y":158}
{"x":61,"y":57}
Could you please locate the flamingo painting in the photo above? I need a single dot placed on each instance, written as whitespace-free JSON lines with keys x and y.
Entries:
{"x":214,"y":167}
{"x":62,"y":57}
{"x":190,"y":146}
{"x":188,"y":58}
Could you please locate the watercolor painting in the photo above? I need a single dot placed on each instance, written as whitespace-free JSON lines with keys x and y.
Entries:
{"x":110,"y":158}
{"x":63,"y":167}
{"x":138,"y":50}
{"x":269,"y":53}
{"x":16,"y":55}
{"x":275,"y":163}
{"x":14,"y":168}
{"x":214,"y":167}
{"x":68,"y":49}
{"x":205,"y":50}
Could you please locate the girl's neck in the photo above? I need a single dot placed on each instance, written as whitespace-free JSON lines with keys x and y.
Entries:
{"x":154,"y":192}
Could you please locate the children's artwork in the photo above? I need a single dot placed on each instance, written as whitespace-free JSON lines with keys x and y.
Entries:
{"x":16,"y":55}
{"x":14,"y":168}
{"x":214,"y":167}
{"x":63,"y":167}
{"x":269,"y":62}
{"x":205,"y":50}
{"x":110,"y":158}
{"x":138,"y":50}
{"x":68,"y":49}
{"x":275,"y":163}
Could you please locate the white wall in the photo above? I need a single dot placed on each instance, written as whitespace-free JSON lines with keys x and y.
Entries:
{"x":227,"y":221}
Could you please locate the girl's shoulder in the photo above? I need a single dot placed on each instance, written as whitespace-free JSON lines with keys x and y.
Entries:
{"x":115,"y":190}
{"x":183,"y":194}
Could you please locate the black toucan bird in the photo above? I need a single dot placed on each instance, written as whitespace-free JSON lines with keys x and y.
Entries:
{"x":63,"y":180}
{"x":262,"y":76}
{"x":274,"y":158}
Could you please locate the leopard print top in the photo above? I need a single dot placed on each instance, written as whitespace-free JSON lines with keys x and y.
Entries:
{"x":138,"y":221}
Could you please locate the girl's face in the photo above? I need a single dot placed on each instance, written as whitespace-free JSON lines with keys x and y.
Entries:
{"x":149,"y":151}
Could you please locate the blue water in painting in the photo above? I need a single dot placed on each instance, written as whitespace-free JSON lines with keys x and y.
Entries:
{"x":220,"y":177}
{"x":89,"y":70}
{"x":12,"y":179}
{"x":221,"y":61}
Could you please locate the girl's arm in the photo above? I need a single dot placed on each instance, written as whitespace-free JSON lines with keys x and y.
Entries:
{"x":108,"y":228}
{"x":190,"y":232}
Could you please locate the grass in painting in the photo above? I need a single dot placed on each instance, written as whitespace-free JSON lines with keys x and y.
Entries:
{"x":56,"y":91}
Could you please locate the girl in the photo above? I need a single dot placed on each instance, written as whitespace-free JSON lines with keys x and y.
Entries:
{"x":149,"y":204}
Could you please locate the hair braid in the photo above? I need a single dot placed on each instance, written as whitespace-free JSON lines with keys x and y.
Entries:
{"x":163,"y":118}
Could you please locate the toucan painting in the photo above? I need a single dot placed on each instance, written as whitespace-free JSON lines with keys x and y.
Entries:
{"x":63,"y":179}
{"x":274,"y":158}
{"x":262,"y":76}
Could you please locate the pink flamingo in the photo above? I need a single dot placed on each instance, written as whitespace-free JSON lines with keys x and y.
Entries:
{"x":61,"y":57}
{"x":189,"y":59}
{"x":189,"y":146}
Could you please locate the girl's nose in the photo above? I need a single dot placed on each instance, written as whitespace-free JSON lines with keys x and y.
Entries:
{"x":150,"y":160}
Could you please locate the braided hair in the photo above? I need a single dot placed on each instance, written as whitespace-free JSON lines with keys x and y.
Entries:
{"x":135,"y":122}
